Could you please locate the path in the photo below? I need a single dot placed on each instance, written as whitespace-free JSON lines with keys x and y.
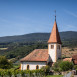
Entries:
{"x":68,"y":75}
{"x":75,"y":75}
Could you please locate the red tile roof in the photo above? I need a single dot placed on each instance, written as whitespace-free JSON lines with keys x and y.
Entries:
{"x":37,"y":55}
{"x":54,"y":36}
{"x":67,"y":59}
{"x":75,"y":61}
{"x":74,"y":58}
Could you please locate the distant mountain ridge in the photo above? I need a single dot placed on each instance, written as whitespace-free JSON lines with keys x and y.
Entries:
{"x":65,"y":36}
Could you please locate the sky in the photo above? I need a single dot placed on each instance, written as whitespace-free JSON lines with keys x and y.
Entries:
{"x":18,"y":17}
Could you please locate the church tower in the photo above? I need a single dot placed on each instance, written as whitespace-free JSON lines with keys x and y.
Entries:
{"x":54,"y":44}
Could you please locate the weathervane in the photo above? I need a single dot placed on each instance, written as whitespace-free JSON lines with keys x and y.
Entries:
{"x":55,"y":15}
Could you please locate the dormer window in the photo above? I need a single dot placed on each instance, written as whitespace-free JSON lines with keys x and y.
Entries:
{"x":52,"y":46}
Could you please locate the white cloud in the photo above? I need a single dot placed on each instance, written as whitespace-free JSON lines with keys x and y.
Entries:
{"x":71,"y":13}
{"x":70,"y":26}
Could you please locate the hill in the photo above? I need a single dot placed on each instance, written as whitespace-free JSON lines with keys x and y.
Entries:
{"x":20,"y":46}
{"x":65,"y":36}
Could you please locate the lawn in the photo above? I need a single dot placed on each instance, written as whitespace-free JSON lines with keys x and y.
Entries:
{"x":55,"y":76}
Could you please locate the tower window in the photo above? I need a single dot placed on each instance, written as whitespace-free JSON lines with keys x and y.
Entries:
{"x":37,"y":67}
{"x":58,"y":47}
{"x":52,"y":46}
{"x":27,"y":67}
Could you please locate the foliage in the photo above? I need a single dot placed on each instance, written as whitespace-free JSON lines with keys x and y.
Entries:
{"x":65,"y":36}
{"x":4,"y":63}
{"x":62,"y":66}
{"x":75,"y":67}
{"x":55,"y":76}
{"x":19,"y":51}
{"x":46,"y":68}
{"x":66,"y":65}
{"x":13,"y":72}
{"x":17,"y":46}
{"x":71,"y":49}
{"x":56,"y":67}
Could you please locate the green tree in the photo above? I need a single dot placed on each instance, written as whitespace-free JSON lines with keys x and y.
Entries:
{"x":4,"y":63}
{"x":46,"y":68}
{"x":56,"y":67}
{"x":66,"y":65}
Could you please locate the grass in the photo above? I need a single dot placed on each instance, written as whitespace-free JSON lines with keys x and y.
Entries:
{"x":55,"y":76}
{"x":3,"y":48}
{"x":16,"y":65}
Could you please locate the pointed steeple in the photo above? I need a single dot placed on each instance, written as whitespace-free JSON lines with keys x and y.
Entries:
{"x":54,"y":36}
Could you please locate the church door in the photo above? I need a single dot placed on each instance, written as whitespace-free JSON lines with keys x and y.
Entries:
{"x":37,"y":67}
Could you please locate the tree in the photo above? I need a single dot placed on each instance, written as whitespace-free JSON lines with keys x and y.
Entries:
{"x":46,"y":68}
{"x":4,"y":63}
{"x":56,"y":67}
{"x":62,"y":66}
{"x":66,"y":65}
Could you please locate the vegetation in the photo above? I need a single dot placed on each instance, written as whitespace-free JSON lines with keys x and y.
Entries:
{"x":65,"y":36}
{"x":55,"y":76}
{"x":75,"y":67}
{"x":4,"y":63}
{"x":25,"y":73}
{"x":16,"y":51}
{"x":62,"y":66}
{"x":56,"y":66}
{"x":14,"y":47}
{"x":66,"y":65}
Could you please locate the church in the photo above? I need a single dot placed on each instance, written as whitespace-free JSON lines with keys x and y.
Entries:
{"x":42,"y":57}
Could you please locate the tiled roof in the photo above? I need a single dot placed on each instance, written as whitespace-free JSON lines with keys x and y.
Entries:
{"x":67,"y":59}
{"x":37,"y":55}
{"x":54,"y":36}
{"x":75,"y":61}
{"x":74,"y":58}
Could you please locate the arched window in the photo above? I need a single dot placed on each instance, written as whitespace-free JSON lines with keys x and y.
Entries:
{"x":37,"y":67}
{"x":27,"y":67}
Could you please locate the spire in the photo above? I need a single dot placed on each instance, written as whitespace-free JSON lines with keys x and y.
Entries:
{"x":55,"y":15}
{"x":54,"y":36}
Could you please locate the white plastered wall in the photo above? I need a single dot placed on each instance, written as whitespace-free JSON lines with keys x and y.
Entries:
{"x":32,"y":65}
{"x":59,"y":52}
{"x":54,"y":53}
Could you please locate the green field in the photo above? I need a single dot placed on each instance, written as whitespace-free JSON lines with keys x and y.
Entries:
{"x":55,"y":76}
{"x":3,"y":48}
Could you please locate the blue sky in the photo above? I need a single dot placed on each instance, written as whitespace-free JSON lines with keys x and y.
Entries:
{"x":19,"y":17}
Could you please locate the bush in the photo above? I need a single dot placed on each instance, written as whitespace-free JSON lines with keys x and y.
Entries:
{"x":46,"y":68}
{"x":56,"y":67}
{"x":75,"y":67}
{"x":66,"y":65}
{"x":62,"y":66}
{"x":71,"y":49}
{"x":13,"y":72}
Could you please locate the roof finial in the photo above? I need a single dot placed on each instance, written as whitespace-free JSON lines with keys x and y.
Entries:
{"x":55,"y":15}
